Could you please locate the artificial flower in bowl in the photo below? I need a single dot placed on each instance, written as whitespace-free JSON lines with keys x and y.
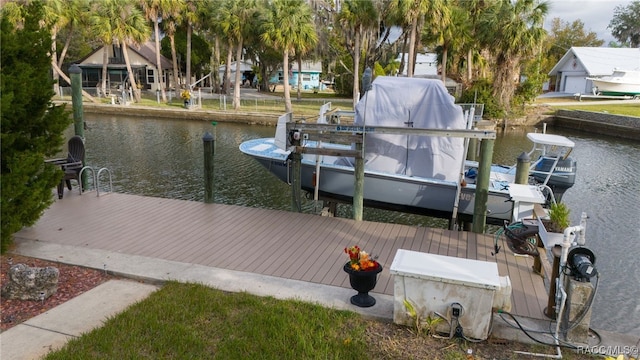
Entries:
{"x":360,"y":260}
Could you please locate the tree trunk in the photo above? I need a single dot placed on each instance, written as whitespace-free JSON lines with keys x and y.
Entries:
{"x":404,"y":51}
{"x":189,"y":31}
{"x":105,"y":64}
{"x":66,"y":78}
{"x":238,"y":81}
{"x":356,"y":67}
{"x":412,"y":47}
{"x":54,"y":60}
{"x":174,"y":59}
{"x":159,"y":75}
{"x":469,"y":65}
{"x":67,"y":42}
{"x":215,"y":60}
{"x":299,"y":57}
{"x":444,"y":63}
{"x":132,"y":80}
{"x":285,"y":69}
{"x":227,"y":69}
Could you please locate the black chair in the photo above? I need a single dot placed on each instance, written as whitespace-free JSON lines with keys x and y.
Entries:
{"x":71,"y":166}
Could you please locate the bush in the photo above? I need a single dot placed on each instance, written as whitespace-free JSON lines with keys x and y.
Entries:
{"x":481,"y":91}
{"x":32,"y":127}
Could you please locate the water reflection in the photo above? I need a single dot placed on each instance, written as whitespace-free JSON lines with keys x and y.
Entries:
{"x":163,"y":158}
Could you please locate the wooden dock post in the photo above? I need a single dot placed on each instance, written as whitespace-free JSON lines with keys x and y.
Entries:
{"x":296,"y":181}
{"x":358,"y":190}
{"x":78,"y":111}
{"x":76,"y":100}
{"x":522,"y":168}
{"x":209,"y":144}
{"x":482,"y":186}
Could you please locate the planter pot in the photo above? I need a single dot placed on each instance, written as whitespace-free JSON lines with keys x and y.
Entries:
{"x":362,"y":282}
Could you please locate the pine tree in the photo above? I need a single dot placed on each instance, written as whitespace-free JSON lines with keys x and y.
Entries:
{"x":32,"y":126}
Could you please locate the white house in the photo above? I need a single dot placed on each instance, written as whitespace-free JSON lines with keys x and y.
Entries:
{"x":426,"y":64}
{"x":143,"y":65}
{"x":246,"y":69}
{"x":581,"y":62}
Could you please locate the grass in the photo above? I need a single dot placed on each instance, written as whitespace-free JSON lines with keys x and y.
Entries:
{"x":189,"y":321}
{"x":620,"y":108}
{"x":192,"y":321}
{"x":307,"y":106}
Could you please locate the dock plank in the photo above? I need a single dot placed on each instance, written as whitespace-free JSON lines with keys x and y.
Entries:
{"x":291,"y":245}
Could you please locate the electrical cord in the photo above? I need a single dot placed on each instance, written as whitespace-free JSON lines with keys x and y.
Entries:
{"x":526,"y":332}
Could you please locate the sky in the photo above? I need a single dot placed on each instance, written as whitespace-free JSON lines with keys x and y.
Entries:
{"x":595,"y":14}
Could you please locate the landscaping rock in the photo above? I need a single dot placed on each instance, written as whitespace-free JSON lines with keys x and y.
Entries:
{"x":31,"y":283}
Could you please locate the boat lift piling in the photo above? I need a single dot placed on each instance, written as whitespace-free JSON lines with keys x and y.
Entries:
{"x":354,"y":134}
{"x":209,"y":145}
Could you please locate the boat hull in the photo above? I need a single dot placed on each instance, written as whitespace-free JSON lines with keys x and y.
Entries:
{"x":620,"y":83}
{"x":422,"y":196}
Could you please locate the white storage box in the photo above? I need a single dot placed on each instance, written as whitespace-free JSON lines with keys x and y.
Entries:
{"x":432,"y":283}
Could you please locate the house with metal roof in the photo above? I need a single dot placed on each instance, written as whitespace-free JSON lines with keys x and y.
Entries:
{"x":578,"y":63}
{"x":143,"y":64}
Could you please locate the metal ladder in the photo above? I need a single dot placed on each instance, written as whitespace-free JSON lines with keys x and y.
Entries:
{"x":96,"y":178}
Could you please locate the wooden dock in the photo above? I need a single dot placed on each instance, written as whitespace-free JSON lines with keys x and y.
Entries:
{"x":270,"y":242}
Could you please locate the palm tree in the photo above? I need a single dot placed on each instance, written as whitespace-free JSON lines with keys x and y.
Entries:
{"x":289,"y":23}
{"x":173,"y":17}
{"x":414,"y":16}
{"x":355,"y":18}
{"x":153,"y":11}
{"x":123,"y":22}
{"x":451,"y":37}
{"x":512,"y":31}
{"x":64,"y":14}
{"x":211,"y":11}
{"x":234,"y":23}
{"x":190,"y":16}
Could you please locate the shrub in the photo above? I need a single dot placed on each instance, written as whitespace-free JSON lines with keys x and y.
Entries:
{"x":32,"y":127}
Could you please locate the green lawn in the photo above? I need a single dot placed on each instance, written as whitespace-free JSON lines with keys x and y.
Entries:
{"x":621,"y":107}
{"x":192,"y":321}
{"x":189,"y":321}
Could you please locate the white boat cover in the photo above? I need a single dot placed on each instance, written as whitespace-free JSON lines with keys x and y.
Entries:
{"x":418,"y":103}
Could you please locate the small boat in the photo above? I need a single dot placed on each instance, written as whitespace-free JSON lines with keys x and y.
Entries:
{"x":415,"y":173}
{"x":620,"y":83}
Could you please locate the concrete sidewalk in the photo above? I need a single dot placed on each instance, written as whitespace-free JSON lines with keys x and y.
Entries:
{"x":36,"y":337}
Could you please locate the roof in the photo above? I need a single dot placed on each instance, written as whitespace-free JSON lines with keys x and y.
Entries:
{"x":599,"y":61}
{"x":244,"y":66}
{"x":146,"y":50}
{"x":307,"y":66}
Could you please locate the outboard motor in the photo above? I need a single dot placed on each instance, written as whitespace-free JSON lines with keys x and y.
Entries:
{"x":562,"y":178}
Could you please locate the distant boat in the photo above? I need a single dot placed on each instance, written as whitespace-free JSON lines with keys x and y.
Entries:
{"x":620,"y":83}
{"x":414,"y":173}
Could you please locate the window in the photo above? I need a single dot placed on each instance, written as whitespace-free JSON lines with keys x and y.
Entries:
{"x":306,"y":77}
{"x":150,"y":76}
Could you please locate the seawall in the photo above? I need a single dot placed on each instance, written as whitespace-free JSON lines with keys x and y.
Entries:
{"x":245,"y":117}
{"x":627,"y":127}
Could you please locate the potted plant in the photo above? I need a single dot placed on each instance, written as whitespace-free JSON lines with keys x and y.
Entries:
{"x":551,"y":228}
{"x":363,"y":273}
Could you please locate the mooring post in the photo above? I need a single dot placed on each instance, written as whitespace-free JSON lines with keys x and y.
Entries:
{"x":76,"y":99}
{"x":296,"y":182}
{"x":358,"y":189}
{"x":472,"y":151}
{"x":482,"y":186}
{"x":78,"y":112}
{"x":209,"y":144}
{"x":522,"y":169}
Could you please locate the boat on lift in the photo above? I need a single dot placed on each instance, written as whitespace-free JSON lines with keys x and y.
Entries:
{"x":419,"y":174}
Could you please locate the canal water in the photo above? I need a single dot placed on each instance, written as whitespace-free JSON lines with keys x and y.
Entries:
{"x":164,"y":158}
